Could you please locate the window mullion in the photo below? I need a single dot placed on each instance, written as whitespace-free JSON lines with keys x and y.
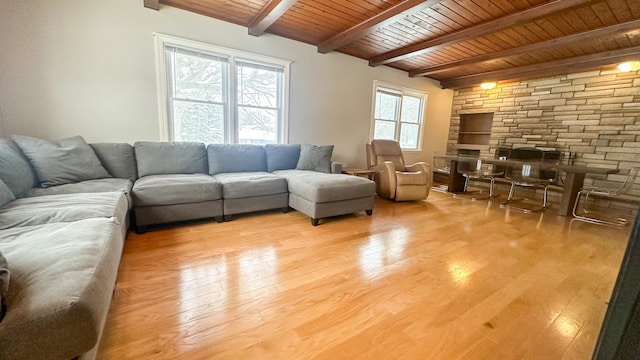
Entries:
{"x":234,"y":101}
{"x":398,"y":117}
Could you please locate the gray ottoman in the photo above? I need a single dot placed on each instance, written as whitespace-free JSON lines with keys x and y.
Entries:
{"x":320,"y":195}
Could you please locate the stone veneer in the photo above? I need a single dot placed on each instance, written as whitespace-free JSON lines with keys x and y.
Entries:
{"x":595,"y":115}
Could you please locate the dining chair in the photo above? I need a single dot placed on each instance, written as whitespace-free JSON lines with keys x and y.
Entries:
{"x":534,"y":174}
{"x":608,"y":194}
{"x":472,"y":168}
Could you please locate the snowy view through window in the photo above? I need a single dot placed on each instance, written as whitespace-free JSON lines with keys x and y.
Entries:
{"x":201,"y":104}
{"x":398,"y":116}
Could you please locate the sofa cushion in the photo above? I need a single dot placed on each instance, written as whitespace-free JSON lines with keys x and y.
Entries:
{"x":62,"y":162}
{"x":160,"y":158}
{"x":320,"y":187}
{"x":15,"y":169}
{"x":118,"y":158}
{"x":59,"y":295}
{"x":6,"y":195}
{"x":250,"y":184}
{"x":316,"y":158}
{"x":233,"y":158}
{"x":88,"y":186}
{"x":282,"y":156}
{"x":175,"y":189}
{"x":47,"y":209}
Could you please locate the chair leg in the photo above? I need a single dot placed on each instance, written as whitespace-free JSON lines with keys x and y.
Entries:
{"x":469,"y":194}
{"x":510,"y":201}
{"x":618,"y":221}
{"x":510,"y":196}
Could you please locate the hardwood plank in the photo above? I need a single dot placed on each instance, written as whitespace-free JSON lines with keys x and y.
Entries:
{"x":442,"y":278}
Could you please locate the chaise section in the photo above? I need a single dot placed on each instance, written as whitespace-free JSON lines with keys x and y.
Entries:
{"x":246,"y":186}
{"x":173,"y":184}
{"x":62,"y":279}
{"x":321,"y":195}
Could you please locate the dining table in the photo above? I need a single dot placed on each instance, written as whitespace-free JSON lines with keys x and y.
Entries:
{"x":572,"y":183}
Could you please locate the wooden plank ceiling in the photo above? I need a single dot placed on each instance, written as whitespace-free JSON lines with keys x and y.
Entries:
{"x":460,"y":43}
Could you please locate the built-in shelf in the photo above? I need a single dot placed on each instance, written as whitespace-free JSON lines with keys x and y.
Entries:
{"x":475,"y":129}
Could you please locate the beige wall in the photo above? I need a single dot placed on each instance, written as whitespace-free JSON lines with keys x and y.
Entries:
{"x":87,"y":67}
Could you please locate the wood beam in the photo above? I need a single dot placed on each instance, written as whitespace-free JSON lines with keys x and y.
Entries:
{"x":479,"y":30}
{"x":557,"y":42}
{"x":268,"y":15}
{"x":389,"y":16}
{"x":549,"y":68}
{"x":152,"y":4}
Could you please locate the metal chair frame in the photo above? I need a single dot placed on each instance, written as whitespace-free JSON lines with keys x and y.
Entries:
{"x":528,"y":175}
{"x":471,"y":169}
{"x":604,"y":193}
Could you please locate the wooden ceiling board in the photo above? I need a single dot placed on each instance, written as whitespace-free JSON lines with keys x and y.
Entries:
{"x":381,"y":32}
{"x":217,"y":9}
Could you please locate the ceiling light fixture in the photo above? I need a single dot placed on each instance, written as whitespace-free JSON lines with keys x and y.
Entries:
{"x":629,"y":66}
{"x":488,"y":85}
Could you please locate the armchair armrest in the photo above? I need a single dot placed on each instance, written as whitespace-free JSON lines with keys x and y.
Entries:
{"x":422,"y":166}
{"x":387,"y":182}
{"x":419,"y":166}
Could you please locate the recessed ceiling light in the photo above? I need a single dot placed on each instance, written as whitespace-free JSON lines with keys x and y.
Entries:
{"x":629,"y":66}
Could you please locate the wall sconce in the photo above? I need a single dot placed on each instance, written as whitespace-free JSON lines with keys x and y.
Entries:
{"x":629,"y":66}
{"x":488,"y":85}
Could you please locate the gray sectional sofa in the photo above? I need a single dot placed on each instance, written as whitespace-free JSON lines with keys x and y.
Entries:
{"x":65,"y":209}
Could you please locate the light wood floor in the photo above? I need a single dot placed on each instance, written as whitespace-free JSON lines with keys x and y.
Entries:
{"x":441,"y":279}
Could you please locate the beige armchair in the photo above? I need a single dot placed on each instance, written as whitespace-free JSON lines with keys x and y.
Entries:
{"x":394,"y":179}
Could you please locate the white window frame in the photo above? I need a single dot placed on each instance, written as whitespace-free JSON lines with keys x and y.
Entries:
{"x":231,"y":136}
{"x":402,"y":91}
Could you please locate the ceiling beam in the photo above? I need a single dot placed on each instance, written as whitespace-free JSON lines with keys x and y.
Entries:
{"x":389,"y":16}
{"x":600,"y":33}
{"x":549,"y":68}
{"x":152,"y":4}
{"x":268,"y":15}
{"x":479,"y":30}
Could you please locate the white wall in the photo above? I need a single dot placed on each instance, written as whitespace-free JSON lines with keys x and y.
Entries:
{"x":86,"y":67}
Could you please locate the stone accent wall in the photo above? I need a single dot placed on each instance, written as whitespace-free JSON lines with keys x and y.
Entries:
{"x":594,"y":115}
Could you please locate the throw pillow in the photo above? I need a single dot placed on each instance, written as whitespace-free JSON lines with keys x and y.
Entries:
{"x":316,"y":158}
{"x":4,"y":285}
{"x":282,"y":156}
{"x":65,"y":161}
{"x":5,"y":194}
{"x":15,"y":169}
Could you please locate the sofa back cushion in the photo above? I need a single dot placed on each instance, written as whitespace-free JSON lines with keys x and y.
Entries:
{"x":282,"y":156}
{"x":15,"y":170}
{"x":233,"y":158}
{"x":315,"y":158}
{"x":118,"y":158}
{"x":6,"y":195}
{"x":159,"y":158}
{"x":65,"y":161}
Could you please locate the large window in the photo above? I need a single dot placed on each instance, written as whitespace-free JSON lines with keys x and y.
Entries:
{"x":219,"y":95}
{"x":398,"y":114}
